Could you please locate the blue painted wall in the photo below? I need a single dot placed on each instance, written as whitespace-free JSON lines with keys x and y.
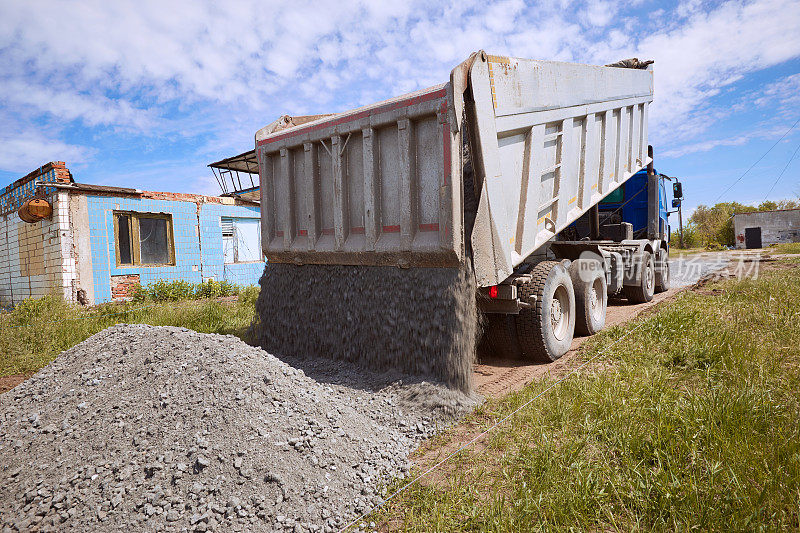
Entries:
{"x":195,"y":259}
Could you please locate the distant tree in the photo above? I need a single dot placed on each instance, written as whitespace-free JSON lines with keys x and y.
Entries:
{"x":767,"y":205}
{"x":713,"y":226}
{"x":789,"y":204}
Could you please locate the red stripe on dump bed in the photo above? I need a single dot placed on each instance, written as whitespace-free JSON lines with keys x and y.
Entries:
{"x":446,"y":150}
{"x":366,"y":113}
{"x":356,"y":229}
{"x":302,"y":232}
{"x":429,"y":227}
{"x":279,"y":233}
{"x":391,"y":229}
{"x":328,"y":231}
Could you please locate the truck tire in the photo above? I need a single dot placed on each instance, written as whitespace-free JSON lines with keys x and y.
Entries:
{"x":591,"y":295}
{"x":643,"y":291}
{"x":545,"y":330}
{"x":662,"y":271}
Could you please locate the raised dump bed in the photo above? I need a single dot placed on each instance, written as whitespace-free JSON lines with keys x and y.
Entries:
{"x":383,"y":184}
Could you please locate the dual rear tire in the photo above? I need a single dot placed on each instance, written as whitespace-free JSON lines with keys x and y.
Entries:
{"x":645,"y":282}
{"x":565,"y":298}
{"x":591,"y":295}
{"x":545,"y":330}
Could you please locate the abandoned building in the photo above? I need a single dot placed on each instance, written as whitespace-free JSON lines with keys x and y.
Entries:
{"x":93,"y":243}
{"x":763,"y":228}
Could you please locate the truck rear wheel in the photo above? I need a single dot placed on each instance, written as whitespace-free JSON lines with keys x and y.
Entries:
{"x":662,"y":271}
{"x":643,"y":291}
{"x":591,"y":295}
{"x":545,"y":330}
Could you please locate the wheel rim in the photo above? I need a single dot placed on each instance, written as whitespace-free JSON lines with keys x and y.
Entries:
{"x":596,"y":300}
{"x":559,"y":313}
{"x":649,"y":277}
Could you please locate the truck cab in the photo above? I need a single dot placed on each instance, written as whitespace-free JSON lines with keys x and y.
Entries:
{"x":629,"y":204}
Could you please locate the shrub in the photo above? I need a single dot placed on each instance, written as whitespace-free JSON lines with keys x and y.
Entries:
{"x":167,"y":291}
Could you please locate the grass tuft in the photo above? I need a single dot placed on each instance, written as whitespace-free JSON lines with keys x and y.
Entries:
{"x":694,"y":425}
{"x":37,"y":330}
{"x":786,"y":248}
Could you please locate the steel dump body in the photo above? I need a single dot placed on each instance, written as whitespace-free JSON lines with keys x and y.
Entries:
{"x":383,"y":184}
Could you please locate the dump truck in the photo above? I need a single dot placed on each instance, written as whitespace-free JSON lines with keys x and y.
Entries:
{"x":498,"y":169}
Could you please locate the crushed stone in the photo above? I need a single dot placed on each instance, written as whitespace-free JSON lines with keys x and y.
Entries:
{"x":419,"y":321}
{"x":165,"y":429}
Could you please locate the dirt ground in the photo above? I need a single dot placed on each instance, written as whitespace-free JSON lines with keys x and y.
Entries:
{"x":495,"y":377}
{"x":9,"y":382}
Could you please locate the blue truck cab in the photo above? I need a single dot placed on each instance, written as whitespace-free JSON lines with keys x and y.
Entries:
{"x":629,"y":202}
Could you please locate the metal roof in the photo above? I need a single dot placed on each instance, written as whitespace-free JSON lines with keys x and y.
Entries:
{"x":244,"y":162}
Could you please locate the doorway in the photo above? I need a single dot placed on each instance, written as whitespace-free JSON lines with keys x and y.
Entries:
{"x":752,"y":238}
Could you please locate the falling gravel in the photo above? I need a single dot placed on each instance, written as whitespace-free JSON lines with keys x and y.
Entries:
{"x":165,"y":429}
{"x":421,"y":321}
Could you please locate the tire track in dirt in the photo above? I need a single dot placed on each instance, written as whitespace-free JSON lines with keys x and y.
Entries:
{"x":494,"y":376}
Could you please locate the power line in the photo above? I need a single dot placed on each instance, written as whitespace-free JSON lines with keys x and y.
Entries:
{"x":487,"y":431}
{"x":782,"y":171}
{"x":757,"y":162}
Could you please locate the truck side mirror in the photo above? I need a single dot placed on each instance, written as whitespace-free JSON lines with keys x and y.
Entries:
{"x":677,"y":190}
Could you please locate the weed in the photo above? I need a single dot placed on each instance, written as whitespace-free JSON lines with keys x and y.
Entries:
{"x":786,"y":248}
{"x":172,"y":291}
{"x":694,"y":426}
{"x":37,"y":330}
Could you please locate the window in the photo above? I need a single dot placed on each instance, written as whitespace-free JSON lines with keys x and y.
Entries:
{"x":144,"y":239}
{"x":241,"y":239}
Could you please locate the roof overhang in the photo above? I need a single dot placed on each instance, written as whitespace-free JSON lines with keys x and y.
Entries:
{"x":244,"y":162}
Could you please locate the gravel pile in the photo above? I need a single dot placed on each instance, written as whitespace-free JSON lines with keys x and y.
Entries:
{"x":160,"y":428}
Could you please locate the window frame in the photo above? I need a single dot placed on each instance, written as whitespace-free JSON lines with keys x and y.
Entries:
{"x":135,"y":242}
{"x":235,"y":236}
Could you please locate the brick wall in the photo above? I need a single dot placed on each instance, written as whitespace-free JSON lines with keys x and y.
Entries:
{"x":14,"y":195}
{"x":123,"y":286}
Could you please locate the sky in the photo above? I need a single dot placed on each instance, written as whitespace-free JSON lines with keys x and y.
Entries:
{"x":145,"y":94}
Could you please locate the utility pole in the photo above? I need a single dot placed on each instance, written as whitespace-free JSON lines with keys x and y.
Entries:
{"x":677,"y":201}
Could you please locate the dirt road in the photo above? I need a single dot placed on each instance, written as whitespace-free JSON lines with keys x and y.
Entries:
{"x":494,"y":377}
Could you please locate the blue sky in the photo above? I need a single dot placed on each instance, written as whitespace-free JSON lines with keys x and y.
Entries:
{"x":145,"y":94}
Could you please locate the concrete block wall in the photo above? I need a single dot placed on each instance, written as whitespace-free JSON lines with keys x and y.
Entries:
{"x":777,"y":227}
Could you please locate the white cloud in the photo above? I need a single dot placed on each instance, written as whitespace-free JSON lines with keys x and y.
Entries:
{"x":737,"y":140}
{"x":242,"y":63}
{"x":784,"y":92}
{"x":598,"y":13}
{"x":92,"y":110}
{"x":24,"y":151}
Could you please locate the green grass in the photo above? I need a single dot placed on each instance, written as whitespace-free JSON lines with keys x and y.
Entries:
{"x":674,"y":251}
{"x":38,"y":330}
{"x":695,"y":424}
{"x":786,"y":248}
